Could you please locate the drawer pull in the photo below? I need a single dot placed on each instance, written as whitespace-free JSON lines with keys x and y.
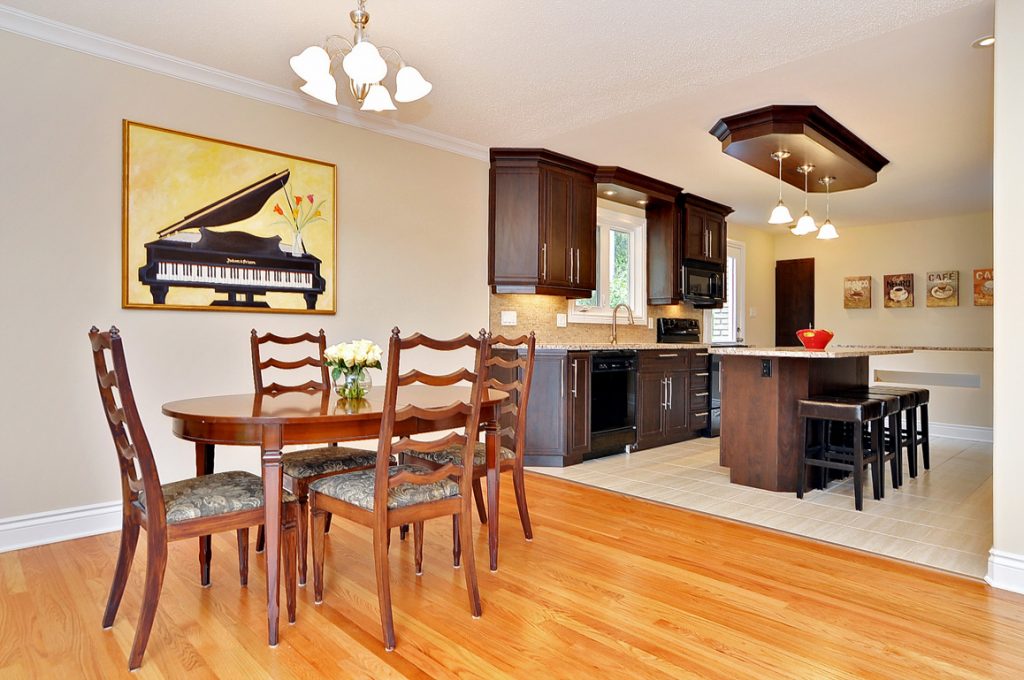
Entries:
{"x":700,"y":394}
{"x":701,"y":414}
{"x":702,"y":354}
{"x":667,"y":356}
{"x":701,"y":375}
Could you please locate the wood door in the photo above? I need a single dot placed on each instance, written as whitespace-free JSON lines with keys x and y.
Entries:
{"x":794,"y":299}
{"x":556,"y":208}
{"x":650,"y":409}
{"x":717,"y":240}
{"x":578,"y":380}
{"x":584,"y":233}
{"x":694,"y":244}
{"x":678,"y":404}
{"x":546,"y":413}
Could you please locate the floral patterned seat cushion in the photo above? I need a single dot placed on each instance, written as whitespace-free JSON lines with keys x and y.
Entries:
{"x":325,"y":460}
{"x":357,"y":488}
{"x":453,"y":454}
{"x":209,"y":495}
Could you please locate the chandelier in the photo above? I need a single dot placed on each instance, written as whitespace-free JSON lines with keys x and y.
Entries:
{"x":364,"y":64}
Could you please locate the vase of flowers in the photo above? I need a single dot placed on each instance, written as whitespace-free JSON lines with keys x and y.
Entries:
{"x":349,"y":363}
{"x":301,"y":211}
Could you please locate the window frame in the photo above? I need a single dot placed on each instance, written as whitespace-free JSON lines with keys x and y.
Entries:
{"x":607,"y":221}
{"x":737,"y":298}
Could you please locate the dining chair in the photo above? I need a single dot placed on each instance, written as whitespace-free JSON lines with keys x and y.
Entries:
{"x":176,"y":511}
{"x":393,"y":495}
{"x":300,"y":468}
{"x":509,"y":368}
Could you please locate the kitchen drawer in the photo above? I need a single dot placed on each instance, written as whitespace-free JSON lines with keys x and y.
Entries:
{"x":699,"y":419}
{"x":669,"y":359}
{"x":699,"y":400}
{"x":700,"y":380}
{"x":701,"y":360}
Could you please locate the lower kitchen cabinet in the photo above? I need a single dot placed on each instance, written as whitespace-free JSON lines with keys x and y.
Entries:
{"x":578,"y":405}
{"x":663,"y":406}
{"x":558,"y":413}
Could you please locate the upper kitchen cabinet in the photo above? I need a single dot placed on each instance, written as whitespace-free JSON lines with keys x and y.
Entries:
{"x":705,"y":235}
{"x":542,"y":224}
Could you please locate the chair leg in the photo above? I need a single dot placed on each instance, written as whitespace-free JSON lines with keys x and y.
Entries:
{"x":317,"y":538}
{"x":380,"y":563}
{"x":493,"y":488}
{"x":925,"y":447}
{"x":478,"y":494}
{"x":302,"y":525}
{"x":801,"y":473}
{"x":878,"y":445}
{"x":466,"y":535}
{"x":261,"y":539}
{"x":156,"y":564}
{"x":403,"y":531}
{"x":911,"y":441}
{"x":243,"y":556}
{"x":858,"y":466}
{"x":205,"y":555}
{"x":327,"y":523}
{"x":519,"y":484}
{"x":289,"y":541}
{"x":456,"y":542}
{"x":125,"y":555}
{"x":417,"y":531}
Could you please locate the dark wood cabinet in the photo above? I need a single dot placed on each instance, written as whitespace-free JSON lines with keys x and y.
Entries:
{"x":678,"y":407}
{"x":579,"y":404}
{"x":663,"y":386}
{"x":699,"y":395}
{"x":706,"y":239}
{"x":542,"y":224}
{"x":558,"y":415}
{"x":650,"y":411}
{"x":692,"y":230}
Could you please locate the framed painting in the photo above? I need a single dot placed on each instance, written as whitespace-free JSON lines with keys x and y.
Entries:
{"x":214,"y":225}
{"x":944,"y":289}
{"x":857,"y":292}
{"x":899,"y":291}
{"x":983,"y":287}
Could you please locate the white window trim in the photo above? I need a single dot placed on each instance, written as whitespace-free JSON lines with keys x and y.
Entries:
{"x":607,"y":219}
{"x":740,"y":294}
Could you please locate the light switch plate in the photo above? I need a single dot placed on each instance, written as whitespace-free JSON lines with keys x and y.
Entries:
{"x":509,"y":317}
{"x":561,"y":321}
{"x":753,"y":312}
{"x":650,"y":323}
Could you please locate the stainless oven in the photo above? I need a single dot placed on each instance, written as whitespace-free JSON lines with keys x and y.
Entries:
{"x":703,"y":286}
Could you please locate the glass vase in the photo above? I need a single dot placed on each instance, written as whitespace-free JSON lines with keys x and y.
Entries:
{"x":353,"y":383}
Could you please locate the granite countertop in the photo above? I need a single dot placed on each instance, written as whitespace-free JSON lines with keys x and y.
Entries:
{"x":921,"y":348}
{"x":801,"y":353}
{"x":606,"y":346}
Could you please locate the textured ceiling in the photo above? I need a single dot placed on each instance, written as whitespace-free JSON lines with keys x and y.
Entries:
{"x":635,"y":83}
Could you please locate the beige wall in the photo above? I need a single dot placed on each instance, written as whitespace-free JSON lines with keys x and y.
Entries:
{"x":1008,"y":173}
{"x":412,"y":251}
{"x":759,"y":245}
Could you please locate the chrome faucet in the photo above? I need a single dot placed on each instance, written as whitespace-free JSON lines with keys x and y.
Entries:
{"x":615,"y":312}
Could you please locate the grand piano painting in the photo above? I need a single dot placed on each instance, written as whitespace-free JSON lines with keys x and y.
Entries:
{"x":206,"y":226}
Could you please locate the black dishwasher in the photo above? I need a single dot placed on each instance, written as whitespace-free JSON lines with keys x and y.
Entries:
{"x":612,"y":403}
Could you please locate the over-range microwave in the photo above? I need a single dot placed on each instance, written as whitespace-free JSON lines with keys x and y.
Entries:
{"x":703,"y":287}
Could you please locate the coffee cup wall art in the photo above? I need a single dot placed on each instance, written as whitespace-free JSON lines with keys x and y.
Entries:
{"x":983,"y":287}
{"x":943,"y":289}
{"x":898,"y":290}
{"x":857,"y":292}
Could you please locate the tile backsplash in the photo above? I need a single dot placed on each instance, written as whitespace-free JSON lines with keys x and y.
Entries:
{"x":537,"y":313}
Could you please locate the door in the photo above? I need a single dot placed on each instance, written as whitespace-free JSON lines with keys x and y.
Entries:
{"x":695,"y":242}
{"x":794,"y":299}
{"x":650,"y":417}
{"x":579,"y":405}
{"x":678,"y":403}
{"x":584,"y":236}
{"x":557,"y":208}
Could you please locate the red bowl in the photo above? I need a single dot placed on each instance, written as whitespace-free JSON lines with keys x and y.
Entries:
{"x":814,"y":338}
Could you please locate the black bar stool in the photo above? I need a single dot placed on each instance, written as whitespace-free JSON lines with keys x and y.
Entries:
{"x":915,"y":434}
{"x":895,"y":405}
{"x":858,"y":412}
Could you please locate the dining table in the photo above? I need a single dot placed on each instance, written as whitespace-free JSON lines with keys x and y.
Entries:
{"x":272,"y":422}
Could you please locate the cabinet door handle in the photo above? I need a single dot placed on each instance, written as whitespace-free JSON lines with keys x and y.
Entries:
{"x":544,"y":271}
{"x":575,"y":376}
{"x":700,"y":394}
{"x":561,"y":383}
{"x":671,"y":391}
{"x":664,"y":394}
{"x":667,"y":356}
{"x":700,"y":375}
{"x":571,"y":279}
{"x":701,"y":414}
{"x":702,"y":354}
{"x":578,"y":270}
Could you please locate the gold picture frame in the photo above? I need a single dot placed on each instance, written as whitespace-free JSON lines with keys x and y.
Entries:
{"x":213,"y":225}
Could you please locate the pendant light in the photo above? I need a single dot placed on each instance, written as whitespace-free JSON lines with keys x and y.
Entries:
{"x":780,"y":215}
{"x":805,"y":225}
{"x":828,"y":230}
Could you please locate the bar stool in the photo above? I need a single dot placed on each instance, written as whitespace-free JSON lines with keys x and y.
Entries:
{"x":895,"y":405}
{"x":915,"y":433}
{"x":858,"y":412}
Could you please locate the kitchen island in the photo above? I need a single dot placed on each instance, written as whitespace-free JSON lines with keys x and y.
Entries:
{"x":761,"y":434}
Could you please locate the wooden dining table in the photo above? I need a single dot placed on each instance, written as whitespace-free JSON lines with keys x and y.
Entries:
{"x":272,"y":422}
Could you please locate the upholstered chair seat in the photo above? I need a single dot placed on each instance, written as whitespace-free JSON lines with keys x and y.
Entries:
{"x":357,"y":488}
{"x":325,"y":460}
{"x":453,"y":455}
{"x":209,"y":495}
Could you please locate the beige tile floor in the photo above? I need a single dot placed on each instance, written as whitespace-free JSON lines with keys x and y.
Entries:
{"x":942,"y":519}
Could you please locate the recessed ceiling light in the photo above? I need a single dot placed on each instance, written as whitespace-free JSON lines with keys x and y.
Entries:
{"x":609,"y":192}
{"x":642,"y":201}
{"x":984,"y":41}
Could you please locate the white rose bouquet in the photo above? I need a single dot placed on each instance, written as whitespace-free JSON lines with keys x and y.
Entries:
{"x":348,"y":362}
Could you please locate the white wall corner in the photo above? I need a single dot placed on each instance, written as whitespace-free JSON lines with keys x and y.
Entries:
{"x":953,"y":431}
{"x":26,"y":531}
{"x":1005,"y":571}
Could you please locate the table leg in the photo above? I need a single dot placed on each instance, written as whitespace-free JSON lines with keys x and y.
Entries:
{"x":204,"y":466}
{"x":492,"y":441}
{"x":272,"y":482}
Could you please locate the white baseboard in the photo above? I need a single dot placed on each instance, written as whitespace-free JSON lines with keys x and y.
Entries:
{"x":971,"y":432}
{"x":1005,"y":571}
{"x":41,"y":528}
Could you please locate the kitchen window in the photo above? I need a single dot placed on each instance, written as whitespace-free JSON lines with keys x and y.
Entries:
{"x":621,"y":270}
{"x":726,"y":324}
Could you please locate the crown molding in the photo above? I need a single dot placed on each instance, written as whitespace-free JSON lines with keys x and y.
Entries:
{"x":94,"y":44}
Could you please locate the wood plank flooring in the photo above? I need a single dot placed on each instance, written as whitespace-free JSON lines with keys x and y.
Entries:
{"x":612,"y":587}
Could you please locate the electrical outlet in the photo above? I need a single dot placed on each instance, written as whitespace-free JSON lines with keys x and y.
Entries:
{"x":766,"y":368}
{"x":753,"y":312}
{"x":561,"y":321}
{"x":509,"y":317}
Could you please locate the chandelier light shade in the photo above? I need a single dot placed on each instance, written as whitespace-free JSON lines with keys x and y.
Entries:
{"x":780,"y":215}
{"x":828,"y":230}
{"x":805,"y":225}
{"x":364,"y":64}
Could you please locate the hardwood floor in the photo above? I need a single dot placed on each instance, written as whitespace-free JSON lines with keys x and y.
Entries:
{"x":612,"y":586}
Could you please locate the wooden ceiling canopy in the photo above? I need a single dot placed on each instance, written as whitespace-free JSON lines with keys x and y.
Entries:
{"x":631,"y":188}
{"x":810,"y":136}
